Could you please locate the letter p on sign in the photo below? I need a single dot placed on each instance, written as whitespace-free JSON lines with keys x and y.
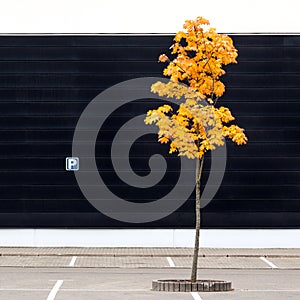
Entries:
{"x":72,"y":163}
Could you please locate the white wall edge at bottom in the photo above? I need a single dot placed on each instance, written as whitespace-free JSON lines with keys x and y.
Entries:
{"x":210,"y":238}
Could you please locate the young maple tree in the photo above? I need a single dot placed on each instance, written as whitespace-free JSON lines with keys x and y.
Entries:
{"x":197,"y":126}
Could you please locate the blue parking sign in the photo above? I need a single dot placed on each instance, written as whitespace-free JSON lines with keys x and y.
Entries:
{"x":72,"y":163}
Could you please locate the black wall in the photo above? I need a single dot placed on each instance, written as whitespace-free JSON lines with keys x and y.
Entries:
{"x":47,"y":81}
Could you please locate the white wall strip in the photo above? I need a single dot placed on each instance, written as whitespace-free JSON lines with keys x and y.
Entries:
{"x":171,"y":262}
{"x":54,"y":290}
{"x":227,"y":238}
{"x":268,"y":262}
{"x":94,"y":16}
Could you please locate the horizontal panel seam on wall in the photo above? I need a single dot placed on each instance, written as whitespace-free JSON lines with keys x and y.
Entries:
{"x":100,"y":88}
{"x":62,"y":170}
{"x":75,"y":185}
{"x":137,"y":34}
{"x":83,"y":130}
{"x":54,"y":142}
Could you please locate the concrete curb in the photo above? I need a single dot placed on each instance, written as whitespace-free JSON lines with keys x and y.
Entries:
{"x":188,"y":286}
{"x":146,"y":252}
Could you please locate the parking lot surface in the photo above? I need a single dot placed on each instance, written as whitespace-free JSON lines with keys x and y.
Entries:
{"x":107,"y":273}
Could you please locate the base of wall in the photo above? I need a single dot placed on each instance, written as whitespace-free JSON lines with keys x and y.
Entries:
{"x":286,"y":238}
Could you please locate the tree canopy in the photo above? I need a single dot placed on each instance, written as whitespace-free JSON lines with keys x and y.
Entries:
{"x":194,"y":68}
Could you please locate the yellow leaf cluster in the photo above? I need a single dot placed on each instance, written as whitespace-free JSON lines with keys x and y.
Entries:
{"x":200,"y":52}
{"x":197,"y":126}
{"x":236,"y":134}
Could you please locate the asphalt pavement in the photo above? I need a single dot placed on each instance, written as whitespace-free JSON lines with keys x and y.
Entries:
{"x":127,"y":273}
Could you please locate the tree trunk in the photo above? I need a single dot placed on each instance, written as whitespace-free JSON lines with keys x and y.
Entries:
{"x":199,"y":166}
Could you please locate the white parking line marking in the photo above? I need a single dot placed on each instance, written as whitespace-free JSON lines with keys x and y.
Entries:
{"x":273,"y":291}
{"x":171,"y":262}
{"x":268,"y":262}
{"x":72,"y":262}
{"x":196,"y":296}
{"x":73,"y":290}
{"x":55,"y":289}
{"x":23,"y":290}
{"x":129,"y":290}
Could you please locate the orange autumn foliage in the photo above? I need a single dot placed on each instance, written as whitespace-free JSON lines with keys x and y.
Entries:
{"x":197,"y":126}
